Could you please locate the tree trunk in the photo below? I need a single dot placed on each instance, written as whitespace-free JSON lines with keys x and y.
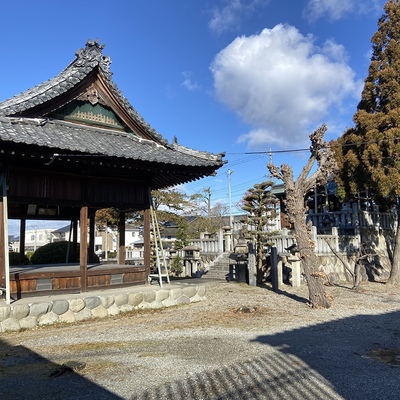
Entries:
{"x":394,"y":278}
{"x":316,"y":289}
{"x":260,"y":272}
{"x":296,"y":209}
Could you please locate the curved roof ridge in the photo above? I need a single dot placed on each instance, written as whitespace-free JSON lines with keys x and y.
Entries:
{"x":205,"y":155}
{"x":86,"y":60}
{"x":92,"y":55}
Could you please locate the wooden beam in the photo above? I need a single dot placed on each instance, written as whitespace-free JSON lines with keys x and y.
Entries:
{"x":4,"y":234}
{"x":92,"y":234}
{"x":83,"y":223}
{"x":146,"y":238}
{"x":74,"y":256}
{"x":2,"y":247}
{"x":22,"y":233}
{"x":121,"y":234}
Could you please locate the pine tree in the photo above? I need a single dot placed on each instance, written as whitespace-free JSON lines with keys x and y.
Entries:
{"x":259,"y":203}
{"x":368,"y":154}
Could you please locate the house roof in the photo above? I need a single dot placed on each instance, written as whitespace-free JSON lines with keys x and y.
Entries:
{"x":71,"y":137}
{"x":37,"y":120}
{"x":63,"y":229}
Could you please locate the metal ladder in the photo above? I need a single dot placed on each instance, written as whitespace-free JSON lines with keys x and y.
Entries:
{"x":158,"y":247}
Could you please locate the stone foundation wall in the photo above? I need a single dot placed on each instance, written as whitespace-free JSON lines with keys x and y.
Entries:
{"x":16,"y":316}
{"x":378,"y":243}
{"x":333,"y":268}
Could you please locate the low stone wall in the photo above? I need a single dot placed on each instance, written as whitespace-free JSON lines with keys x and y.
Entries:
{"x":334,"y":269}
{"x":16,"y":316}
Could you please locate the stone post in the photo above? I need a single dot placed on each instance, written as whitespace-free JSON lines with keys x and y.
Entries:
{"x":274,"y":269}
{"x":294,"y":262}
{"x":252,"y":265}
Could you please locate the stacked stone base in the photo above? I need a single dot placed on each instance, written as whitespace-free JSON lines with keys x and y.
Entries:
{"x":16,"y":316}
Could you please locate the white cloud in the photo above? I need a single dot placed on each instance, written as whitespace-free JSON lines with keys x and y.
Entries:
{"x":279,"y":82}
{"x":335,"y":9}
{"x":188,"y":83}
{"x":230,"y":16}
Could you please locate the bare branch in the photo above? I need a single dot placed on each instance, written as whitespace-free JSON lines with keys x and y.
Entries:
{"x":340,"y":258}
{"x":274,"y":171}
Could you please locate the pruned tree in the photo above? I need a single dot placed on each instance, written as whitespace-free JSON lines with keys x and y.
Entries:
{"x":295,"y":191}
{"x":368,"y":154}
{"x":259,"y":204}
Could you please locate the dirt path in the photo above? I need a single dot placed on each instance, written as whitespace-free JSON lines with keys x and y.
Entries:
{"x":241,"y":343}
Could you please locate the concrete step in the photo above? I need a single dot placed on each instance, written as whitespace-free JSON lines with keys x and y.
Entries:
{"x":220,"y":269}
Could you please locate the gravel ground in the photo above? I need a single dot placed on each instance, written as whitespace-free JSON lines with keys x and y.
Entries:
{"x":241,"y":343}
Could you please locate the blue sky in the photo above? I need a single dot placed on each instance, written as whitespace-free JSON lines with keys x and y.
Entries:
{"x":237,"y":76}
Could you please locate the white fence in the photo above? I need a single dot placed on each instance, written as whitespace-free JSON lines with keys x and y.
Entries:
{"x":208,"y":246}
{"x":286,"y":238}
{"x":339,"y":228}
{"x":352,"y":219}
{"x":323,"y":243}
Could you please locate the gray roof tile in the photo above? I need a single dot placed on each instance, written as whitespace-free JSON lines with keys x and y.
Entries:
{"x":72,"y":137}
{"x":67,"y":136}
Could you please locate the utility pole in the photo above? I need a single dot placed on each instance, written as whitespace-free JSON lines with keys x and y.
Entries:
{"x":229,"y":173}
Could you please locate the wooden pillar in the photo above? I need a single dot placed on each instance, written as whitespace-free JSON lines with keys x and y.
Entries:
{"x":146,"y":238}
{"x":83,"y":247}
{"x":74,"y":256}
{"x":121,"y":235}
{"x":2,"y":247}
{"x":22,"y":233}
{"x":4,"y":257}
{"x":92,"y":234}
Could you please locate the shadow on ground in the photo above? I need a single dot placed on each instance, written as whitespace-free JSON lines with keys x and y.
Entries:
{"x":343,"y":359}
{"x":25,"y":374}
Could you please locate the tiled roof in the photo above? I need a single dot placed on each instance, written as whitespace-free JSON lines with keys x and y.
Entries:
{"x":17,"y":124}
{"x":86,"y":61}
{"x":59,"y":136}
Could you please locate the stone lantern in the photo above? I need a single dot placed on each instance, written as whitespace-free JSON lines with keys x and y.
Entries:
{"x":191,"y":260}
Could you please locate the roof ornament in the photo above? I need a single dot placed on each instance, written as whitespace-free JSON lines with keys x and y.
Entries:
{"x":92,"y":55}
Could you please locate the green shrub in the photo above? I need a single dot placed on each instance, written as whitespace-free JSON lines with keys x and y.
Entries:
{"x":177,"y":265}
{"x":53,"y":253}
{"x":14,"y":259}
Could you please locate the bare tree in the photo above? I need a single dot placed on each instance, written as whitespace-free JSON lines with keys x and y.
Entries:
{"x":296,"y":209}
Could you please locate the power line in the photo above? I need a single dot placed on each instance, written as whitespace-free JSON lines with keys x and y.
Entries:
{"x":267,"y":152}
{"x":276,"y":151}
{"x":250,"y":157}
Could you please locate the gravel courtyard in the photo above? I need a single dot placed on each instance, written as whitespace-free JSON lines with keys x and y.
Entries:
{"x":241,"y":343}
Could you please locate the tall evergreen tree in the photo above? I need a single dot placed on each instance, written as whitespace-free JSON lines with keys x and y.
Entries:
{"x":368,"y":154}
{"x":259,"y":203}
